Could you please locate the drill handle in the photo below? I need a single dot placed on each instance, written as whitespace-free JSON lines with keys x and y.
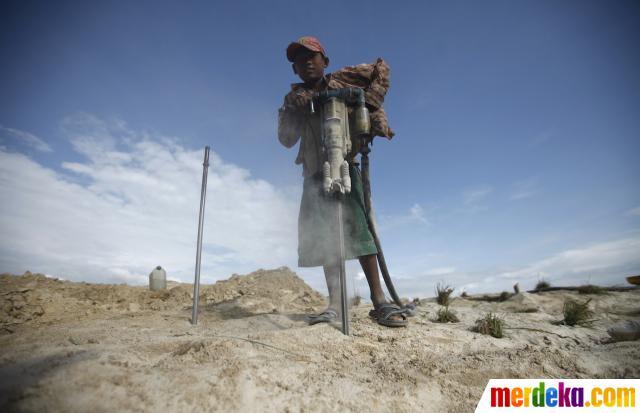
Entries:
{"x":348,"y":94}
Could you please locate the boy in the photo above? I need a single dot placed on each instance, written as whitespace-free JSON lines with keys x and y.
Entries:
{"x":316,"y":237}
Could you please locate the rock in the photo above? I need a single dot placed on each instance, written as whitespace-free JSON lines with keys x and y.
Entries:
{"x":75,"y":340}
{"x":625,"y":331}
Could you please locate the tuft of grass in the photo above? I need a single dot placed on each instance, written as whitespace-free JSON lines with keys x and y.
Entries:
{"x":443,"y":294}
{"x":542,"y":284}
{"x":464,"y":294}
{"x":504,"y":296}
{"x":491,"y":325}
{"x":591,"y":289}
{"x":356,"y":300}
{"x":577,"y":313}
{"x":444,"y":315}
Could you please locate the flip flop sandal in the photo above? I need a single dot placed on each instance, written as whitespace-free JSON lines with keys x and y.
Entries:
{"x":383,"y":313}
{"x":326,"y":316}
{"x":410,"y":311}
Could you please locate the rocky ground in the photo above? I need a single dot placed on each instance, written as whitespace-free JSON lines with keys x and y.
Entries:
{"x":88,"y":347}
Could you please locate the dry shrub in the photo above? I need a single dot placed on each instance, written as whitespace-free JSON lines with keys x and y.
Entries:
{"x":356,"y":300}
{"x":577,"y":313}
{"x":542,"y":284}
{"x":443,"y":294}
{"x":491,"y":325}
{"x":444,"y":315}
{"x":591,"y":289}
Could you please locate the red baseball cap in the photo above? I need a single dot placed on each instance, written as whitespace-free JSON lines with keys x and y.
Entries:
{"x":308,"y":42}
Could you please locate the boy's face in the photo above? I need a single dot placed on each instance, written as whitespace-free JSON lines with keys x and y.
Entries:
{"x":309,"y":65}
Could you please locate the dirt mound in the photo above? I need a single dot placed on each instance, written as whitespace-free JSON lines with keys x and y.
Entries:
{"x":262,"y":291}
{"x":35,"y":297}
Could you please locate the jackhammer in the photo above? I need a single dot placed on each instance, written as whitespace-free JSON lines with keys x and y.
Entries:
{"x":336,"y":141}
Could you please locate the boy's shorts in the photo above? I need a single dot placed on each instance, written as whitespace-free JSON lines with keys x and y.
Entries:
{"x":318,"y":242}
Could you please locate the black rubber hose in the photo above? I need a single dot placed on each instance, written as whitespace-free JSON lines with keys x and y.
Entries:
{"x":366,"y":184}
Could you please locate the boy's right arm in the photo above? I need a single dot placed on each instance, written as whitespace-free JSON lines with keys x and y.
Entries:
{"x":291,"y":118}
{"x":289,"y":126}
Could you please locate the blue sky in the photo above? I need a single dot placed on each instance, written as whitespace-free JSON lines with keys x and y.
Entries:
{"x":515,"y":156}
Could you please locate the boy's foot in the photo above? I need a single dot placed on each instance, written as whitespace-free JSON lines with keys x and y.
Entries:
{"x":389,"y":315}
{"x":326,"y":316}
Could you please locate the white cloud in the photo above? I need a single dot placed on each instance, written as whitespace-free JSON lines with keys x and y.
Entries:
{"x":523,"y":189}
{"x":474,"y":195}
{"x":440,"y":271}
{"x":133,"y":204}
{"x":415,"y":215}
{"x":606,"y":263}
{"x":25,"y":138}
{"x":634,"y":211}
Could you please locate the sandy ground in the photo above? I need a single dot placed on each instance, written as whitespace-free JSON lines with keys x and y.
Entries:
{"x":88,"y":347}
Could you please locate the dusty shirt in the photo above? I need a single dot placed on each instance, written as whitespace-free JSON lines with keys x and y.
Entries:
{"x":300,"y":124}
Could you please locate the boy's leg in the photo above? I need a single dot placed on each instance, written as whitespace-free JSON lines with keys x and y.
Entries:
{"x":332,"y":275}
{"x":332,"y":312}
{"x":369,"y":265}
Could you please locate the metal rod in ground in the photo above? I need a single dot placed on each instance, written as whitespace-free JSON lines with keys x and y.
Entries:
{"x":343,"y":273}
{"x":203,"y":198}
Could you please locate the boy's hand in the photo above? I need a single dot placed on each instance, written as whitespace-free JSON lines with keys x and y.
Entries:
{"x":300,"y":101}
